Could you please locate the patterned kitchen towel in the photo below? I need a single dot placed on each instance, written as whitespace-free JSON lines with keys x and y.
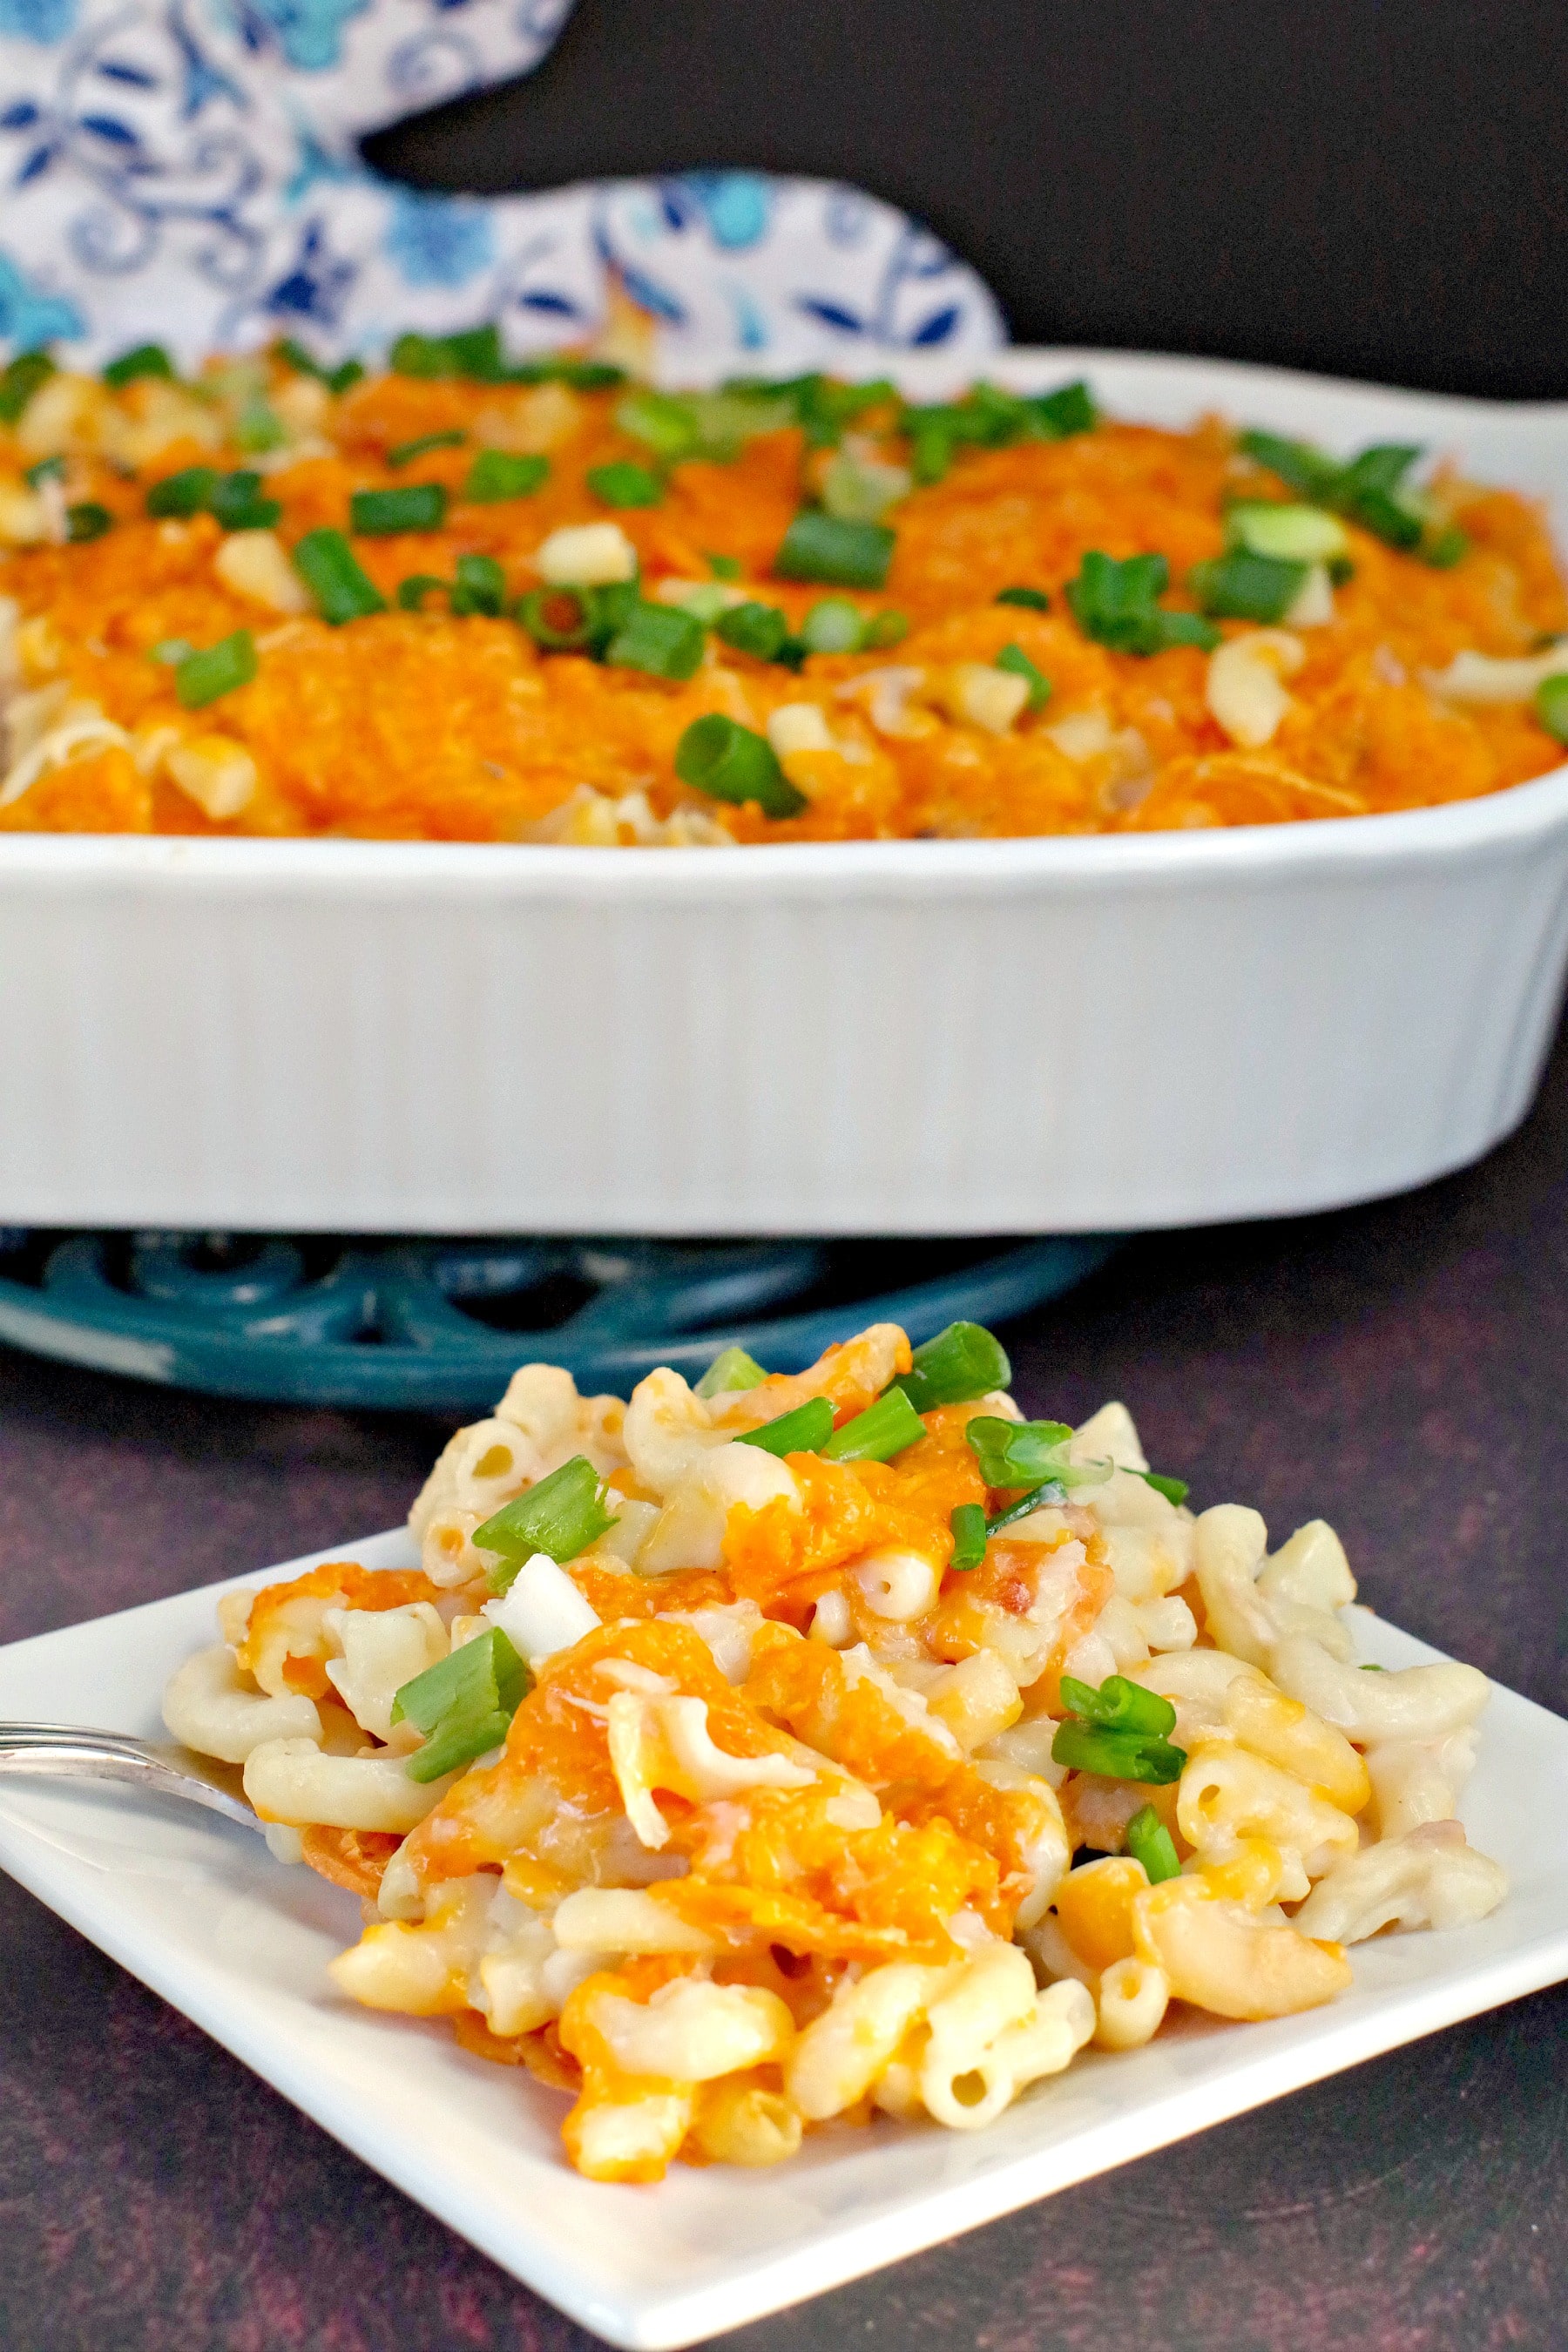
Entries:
{"x":189,"y":170}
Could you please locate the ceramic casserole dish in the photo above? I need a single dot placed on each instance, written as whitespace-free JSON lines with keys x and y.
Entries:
{"x":907,"y":1037}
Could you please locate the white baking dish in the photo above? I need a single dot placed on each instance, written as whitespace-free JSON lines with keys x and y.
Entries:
{"x":892,"y":1037}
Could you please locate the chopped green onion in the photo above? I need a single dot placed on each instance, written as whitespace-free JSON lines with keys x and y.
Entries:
{"x":259,"y":426}
{"x":337,"y":380}
{"x":884,"y":1429}
{"x":1552,"y":704}
{"x":184,"y":493}
{"x":496,"y":475}
{"x":1015,"y":660}
{"x":1065,"y":412}
{"x":480,"y":587}
{"x":146,"y":359}
{"x":20,"y":380}
{"x":959,"y":1364}
{"x":1035,"y":1498}
{"x":833,"y":626}
{"x":475,"y":352}
{"x":86,"y":519}
{"x":405,"y":453}
{"x":623,"y":484}
{"x":1175,"y":1490}
{"x":412,"y":592}
{"x":463,"y":1704}
{"x":1370,"y":1669}
{"x":760,"y":630}
{"x":48,"y":470}
{"x":1445,"y":550}
{"x":560,"y":1516}
{"x":1299,"y":466}
{"x":888,"y":627}
{"x":237,"y":502}
{"x":1114,"y":602}
{"x":840,"y":554}
{"x":731,"y":1368}
{"x":1029,"y":1454}
{"x":657,"y":639}
{"x":1033,"y":600}
{"x":1151,"y":1842}
{"x":559,"y":620}
{"x":581,"y":375}
{"x":806,"y":1430}
{"x":171,"y":650}
{"x":969,"y":1536}
{"x":725,"y":567}
{"x":718,"y":756}
{"x":330,"y":569}
{"x":201,"y":678}
{"x":1241,"y":586}
{"x":1120,"y":1706}
{"x":1117,"y":1755}
{"x":663,"y":421}
{"x":417,"y":506}
{"x":1291,"y":534}
{"x":706,"y":599}
{"x":861,"y":490}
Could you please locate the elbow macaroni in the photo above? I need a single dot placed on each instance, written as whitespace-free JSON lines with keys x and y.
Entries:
{"x":776,"y":1834}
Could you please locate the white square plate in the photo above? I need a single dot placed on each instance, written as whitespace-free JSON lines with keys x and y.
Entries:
{"x":198,"y":1910}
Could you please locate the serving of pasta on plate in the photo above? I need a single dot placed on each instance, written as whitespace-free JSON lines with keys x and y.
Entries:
{"x":834,"y":1745}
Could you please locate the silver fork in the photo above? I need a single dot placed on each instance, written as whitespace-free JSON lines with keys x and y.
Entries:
{"x":63,"y":1752}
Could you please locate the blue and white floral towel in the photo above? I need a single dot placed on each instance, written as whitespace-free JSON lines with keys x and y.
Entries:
{"x":188,"y":169}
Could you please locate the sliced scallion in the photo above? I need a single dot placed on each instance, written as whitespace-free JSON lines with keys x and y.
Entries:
{"x":1014,"y":659}
{"x":718,"y":756}
{"x":622,"y":484}
{"x":1175,"y":1490}
{"x":479,"y":587}
{"x":806,"y":1430}
{"x":1291,"y":534}
{"x":188,"y":492}
{"x":760,"y":630}
{"x":888,"y":627}
{"x":1033,"y":600}
{"x":559,"y":620}
{"x":217,"y":670}
{"x":959,"y":1364}
{"x":145,"y":359}
{"x":412,"y":592}
{"x":1114,"y":601}
{"x":413,"y":506}
{"x":1151,"y":1842}
{"x":330,"y":569}
{"x":1242,"y":587}
{"x":840,"y":554}
{"x":731,"y":1370}
{"x":236,"y":502}
{"x":86,"y":519}
{"x":1552,"y":704}
{"x":561,"y":1516}
{"x":969,"y":1536}
{"x":833,"y":626}
{"x":725,"y":567}
{"x":1116,"y":1755}
{"x":884,"y":1429}
{"x":19,"y":379}
{"x":496,"y":473}
{"x":405,"y":453}
{"x":464,"y":1704}
{"x":48,"y":470}
{"x":1119,"y":1706}
{"x":659,"y":639}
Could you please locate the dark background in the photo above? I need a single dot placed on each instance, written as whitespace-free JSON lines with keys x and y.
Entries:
{"x":1376,"y":188}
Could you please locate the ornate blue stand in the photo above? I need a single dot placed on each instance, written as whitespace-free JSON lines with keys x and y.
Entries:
{"x":439,"y":1325}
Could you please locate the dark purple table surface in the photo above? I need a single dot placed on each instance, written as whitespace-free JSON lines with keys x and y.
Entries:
{"x":1399,"y":1369}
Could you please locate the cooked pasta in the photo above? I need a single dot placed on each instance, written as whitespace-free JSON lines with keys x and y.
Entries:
{"x":463,"y":600}
{"x":836,"y":1744}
